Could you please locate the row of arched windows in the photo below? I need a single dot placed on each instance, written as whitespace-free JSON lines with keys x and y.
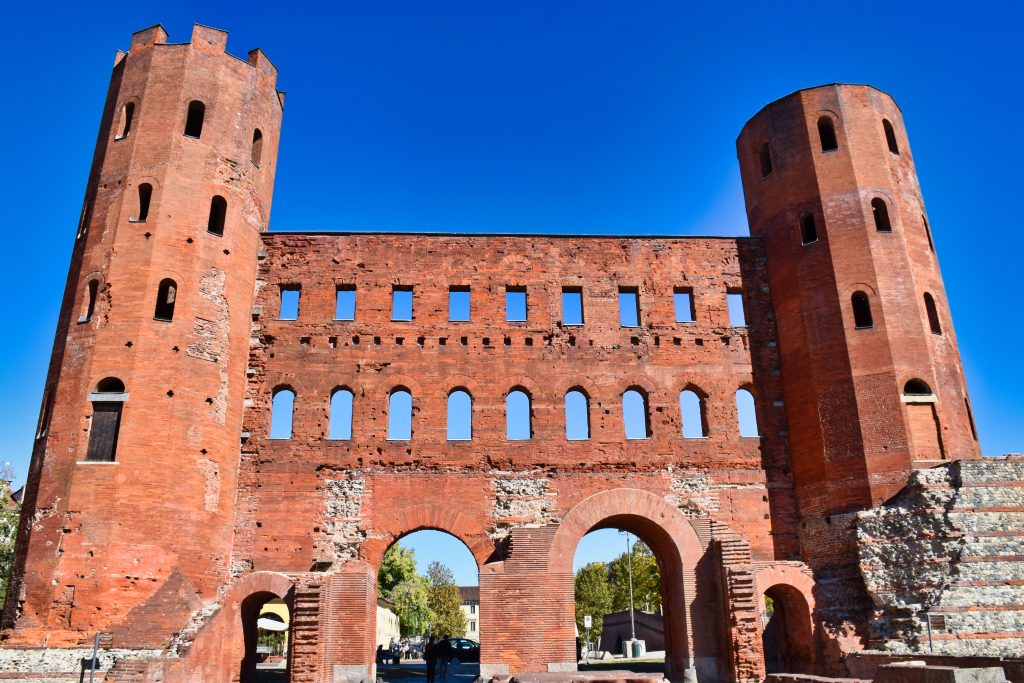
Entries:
{"x":194,"y":119}
{"x":518,"y":414}
{"x":862,"y":318}
{"x":828,"y":140}
{"x":214,"y":223}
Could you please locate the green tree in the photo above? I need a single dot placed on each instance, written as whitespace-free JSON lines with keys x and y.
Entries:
{"x":646,"y":580}
{"x":445,"y":602}
{"x":411,"y":600}
{"x":593,"y":596}
{"x":398,"y":565}
{"x":10,"y":512}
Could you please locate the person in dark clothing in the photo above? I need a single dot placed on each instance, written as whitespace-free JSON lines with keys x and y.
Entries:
{"x":430,"y":657}
{"x":444,"y":654}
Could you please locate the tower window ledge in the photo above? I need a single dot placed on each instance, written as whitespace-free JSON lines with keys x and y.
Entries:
{"x":136,"y":220}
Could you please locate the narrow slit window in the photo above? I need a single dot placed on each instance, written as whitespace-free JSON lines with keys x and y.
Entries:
{"x":880,"y":211}
{"x":105,"y":426}
{"x":218,"y":214}
{"x":281,"y":410}
{"x":400,"y":415}
{"x":827,"y":134}
{"x":166,"y":294}
{"x":808,"y":230}
{"x":345,"y":302}
{"x":401,"y":303}
{"x":194,"y":119}
{"x":746,"y":413}
{"x":127,"y":114}
{"x":518,"y":421}
{"x":692,"y":412}
{"x":737,"y":310}
{"x":970,"y":418}
{"x":572,"y":306}
{"x":341,"y":415}
{"x":629,"y":307}
{"x":928,"y":233}
{"x":765,"y":156}
{"x":862,"y":319}
{"x":515,"y":304}
{"x":933,"y":314}
{"x":290,"y":302}
{"x":890,"y":136}
{"x":682,"y":298}
{"x":256,"y":153}
{"x":577,"y":416}
{"x":44,"y":415}
{"x":145,"y":195}
{"x":635,"y":417}
{"x":89,"y":301}
{"x":460,"y":415}
{"x":458,"y":303}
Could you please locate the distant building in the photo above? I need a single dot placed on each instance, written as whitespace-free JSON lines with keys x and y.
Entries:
{"x":616,"y":630}
{"x":388,"y":625}
{"x":471,"y":608}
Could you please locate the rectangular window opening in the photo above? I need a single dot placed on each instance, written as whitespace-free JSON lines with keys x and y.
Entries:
{"x":737,"y":313}
{"x":106,"y":422}
{"x":345,"y":303}
{"x":683,"y":299}
{"x":629,"y":306}
{"x":515,"y":304}
{"x":289,"y":302}
{"x":401,"y":303}
{"x":458,"y":303}
{"x":572,"y":305}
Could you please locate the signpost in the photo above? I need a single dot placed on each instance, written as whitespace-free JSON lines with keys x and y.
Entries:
{"x":587,"y":623}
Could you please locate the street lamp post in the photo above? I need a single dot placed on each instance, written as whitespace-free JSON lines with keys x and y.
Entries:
{"x":629,"y":564}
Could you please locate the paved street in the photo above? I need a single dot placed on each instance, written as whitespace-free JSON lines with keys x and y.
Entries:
{"x":411,"y":672}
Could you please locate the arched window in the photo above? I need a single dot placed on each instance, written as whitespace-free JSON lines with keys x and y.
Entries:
{"x":460,"y":415}
{"x":861,"y":311}
{"x":218,"y":212}
{"x":165,"y":296}
{"x":341,"y":415}
{"x":765,"y":155}
{"x":92,"y":288}
{"x":890,"y":136}
{"x":691,"y":409}
{"x":518,"y":421}
{"x":107,"y":402}
{"x":125,"y":127}
{"x":281,"y":410}
{"x":257,"y":146}
{"x":808,"y":230}
{"x":194,"y":120}
{"x":635,"y":417}
{"x":827,"y":134}
{"x":577,"y":416}
{"x":145,"y":195}
{"x":746,"y":413}
{"x":933,"y":314}
{"x":916,"y":387}
{"x":881,"y":213}
{"x":400,"y":415}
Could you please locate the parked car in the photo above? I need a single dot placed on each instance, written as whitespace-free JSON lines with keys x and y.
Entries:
{"x":464,"y":650}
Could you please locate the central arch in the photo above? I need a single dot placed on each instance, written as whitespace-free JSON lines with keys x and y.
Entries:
{"x":670,"y":536}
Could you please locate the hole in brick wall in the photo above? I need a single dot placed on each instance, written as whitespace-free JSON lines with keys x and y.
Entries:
{"x":209,"y":401}
{"x":332,"y":342}
{"x":634,"y":340}
{"x":170,"y":392}
{"x":464,"y":340}
{"x":188,"y":240}
{"x":441,"y":341}
{"x":698,"y":342}
{"x":304,"y":341}
{"x":399,"y":341}
{"x":725,"y":340}
{"x":421,"y":341}
{"x":508,"y":341}
{"x":227,"y":253}
{"x":376,"y":341}
{"x":355,"y":340}
{"x":657,"y":340}
{"x":175,"y":349}
{"x":572,"y":340}
{"x":528,"y":341}
{"x":128,"y":344}
{"x":677,"y":341}
{"x":203,"y":451}
{"x":259,"y":525}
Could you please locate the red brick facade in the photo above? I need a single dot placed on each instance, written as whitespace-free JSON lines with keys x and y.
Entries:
{"x":201,"y":515}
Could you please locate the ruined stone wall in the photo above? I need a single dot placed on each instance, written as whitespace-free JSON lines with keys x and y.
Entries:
{"x":950,"y":547}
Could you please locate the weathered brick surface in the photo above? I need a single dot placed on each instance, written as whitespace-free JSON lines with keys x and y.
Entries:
{"x":170,"y":549}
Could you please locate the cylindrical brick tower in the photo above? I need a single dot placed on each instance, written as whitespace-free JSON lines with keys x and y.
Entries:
{"x":872,"y":379}
{"x":129,"y":505}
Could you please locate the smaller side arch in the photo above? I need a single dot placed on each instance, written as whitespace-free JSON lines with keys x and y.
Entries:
{"x":789,"y":632}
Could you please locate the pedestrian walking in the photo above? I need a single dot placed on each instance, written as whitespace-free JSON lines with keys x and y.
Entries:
{"x":444,"y":654}
{"x":430,"y":656}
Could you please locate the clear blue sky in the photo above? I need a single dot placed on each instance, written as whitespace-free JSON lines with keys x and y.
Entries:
{"x":586,"y":116}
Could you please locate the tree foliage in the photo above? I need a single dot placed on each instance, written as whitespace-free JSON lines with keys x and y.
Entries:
{"x":445,"y":602}
{"x":10,"y":512}
{"x":646,"y":580}
{"x":411,"y":600}
{"x":398,"y":565}
{"x":593,"y":595}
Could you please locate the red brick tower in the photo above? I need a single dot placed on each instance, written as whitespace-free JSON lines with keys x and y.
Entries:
{"x":139,"y":433}
{"x":872,"y":379}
